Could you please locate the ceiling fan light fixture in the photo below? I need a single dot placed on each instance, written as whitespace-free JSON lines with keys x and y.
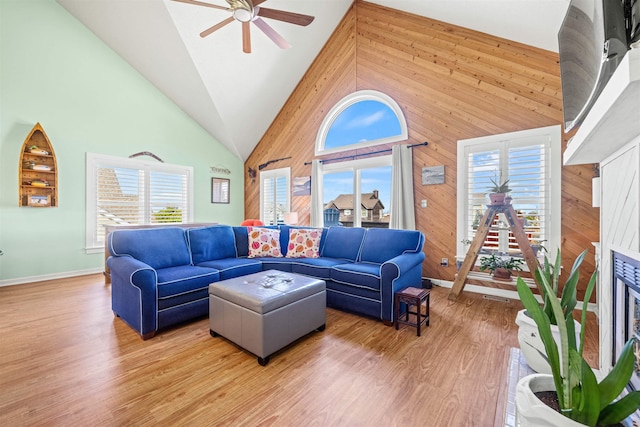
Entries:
{"x":243,"y":15}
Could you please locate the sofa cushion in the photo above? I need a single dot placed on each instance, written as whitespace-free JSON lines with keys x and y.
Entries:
{"x":264,"y":242}
{"x":304,"y":243}
{"x":275,"y":263}
{"x":359,"y":274}
{"x":173,"y":281}
{"x":156,"y":247}
{"x":316,"y":267}
{"x":211,"y":243}
{"x":343,"y":243}
{"x":383,"y":244}
{"x":233,"y":267}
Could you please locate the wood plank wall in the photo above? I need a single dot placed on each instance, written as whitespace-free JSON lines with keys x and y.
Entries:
{"x":452,"y":83}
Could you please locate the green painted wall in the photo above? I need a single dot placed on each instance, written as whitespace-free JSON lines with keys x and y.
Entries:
{"x":53,"y":70}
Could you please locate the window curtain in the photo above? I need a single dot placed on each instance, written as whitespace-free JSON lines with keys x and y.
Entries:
{"x":317,"y":214}
{"x":402,"y":206}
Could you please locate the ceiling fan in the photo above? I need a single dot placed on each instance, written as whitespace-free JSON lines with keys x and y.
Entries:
{"x":248,"y":11}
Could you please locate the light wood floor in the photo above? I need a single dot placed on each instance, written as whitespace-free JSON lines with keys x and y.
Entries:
{"x":65,"y":360}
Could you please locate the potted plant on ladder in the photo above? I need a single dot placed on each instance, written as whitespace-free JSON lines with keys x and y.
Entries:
{"x":498,"y":192}
{"x":580,"y":398}
{"x":501,"y":268}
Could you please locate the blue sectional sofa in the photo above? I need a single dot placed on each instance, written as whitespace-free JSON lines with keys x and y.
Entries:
{"x":160,"y":276}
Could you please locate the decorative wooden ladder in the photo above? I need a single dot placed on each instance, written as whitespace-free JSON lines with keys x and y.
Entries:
{"x":486,"y":222}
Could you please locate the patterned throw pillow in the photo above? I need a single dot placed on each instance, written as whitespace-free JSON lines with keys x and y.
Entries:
{"x":304,"y":243}
{"x":264,"y":242}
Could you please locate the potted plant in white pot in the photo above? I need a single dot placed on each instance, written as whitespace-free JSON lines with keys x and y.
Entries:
{"x":498,"y":192}
{"x":500,"y":267}
{"x":529,"y":340}
{"x":581,"y":400}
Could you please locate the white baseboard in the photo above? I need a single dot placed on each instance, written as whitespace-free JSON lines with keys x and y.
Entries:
{"x":502,"y":293}
{"x":63,"y":275}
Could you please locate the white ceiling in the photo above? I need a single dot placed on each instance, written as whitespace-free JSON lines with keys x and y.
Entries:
{"x":235,"y":96}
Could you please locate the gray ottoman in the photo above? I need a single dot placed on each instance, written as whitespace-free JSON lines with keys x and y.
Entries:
{"x":264,"y":312}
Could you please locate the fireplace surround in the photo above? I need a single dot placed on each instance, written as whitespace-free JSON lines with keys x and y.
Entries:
{"x":626,"y":307}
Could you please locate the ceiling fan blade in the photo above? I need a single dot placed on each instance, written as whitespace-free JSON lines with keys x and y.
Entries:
{"x":216,"y":27}
{"x":271,"y":33}
{"x":246,"y":37}
{"x":257,"y":2}
{"x":200,"y":3}
{"x":290,"y":17}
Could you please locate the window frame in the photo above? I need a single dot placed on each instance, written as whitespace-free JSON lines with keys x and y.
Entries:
{"x":549,"y":136}
{"x":356,"y":166}
{"x":94,"y":160}
{"x":346,"y":102}
{"x":271,"y":174}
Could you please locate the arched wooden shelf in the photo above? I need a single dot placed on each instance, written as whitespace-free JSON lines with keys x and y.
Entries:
{"x":38,"y":171}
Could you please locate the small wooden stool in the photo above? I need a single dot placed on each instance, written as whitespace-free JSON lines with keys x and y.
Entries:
{"x":412,"y":296}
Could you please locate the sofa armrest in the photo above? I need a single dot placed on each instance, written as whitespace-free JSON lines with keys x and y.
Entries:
{"x":398,"y":273}
{"x":134,"y":293}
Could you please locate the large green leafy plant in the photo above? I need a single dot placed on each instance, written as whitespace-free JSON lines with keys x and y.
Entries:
{"x":580,"y":396}
{"x":568,"y":300}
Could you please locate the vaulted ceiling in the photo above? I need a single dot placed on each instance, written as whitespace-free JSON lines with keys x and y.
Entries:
{"x":234,"y":95}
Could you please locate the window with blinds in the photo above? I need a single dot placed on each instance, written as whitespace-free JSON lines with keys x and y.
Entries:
{"x":274,"y":195}
{"x":123,"y":191}
{"x":530,"y":161}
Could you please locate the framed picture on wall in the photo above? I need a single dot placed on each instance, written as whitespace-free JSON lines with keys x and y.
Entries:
{"x":36,"y":200}
{"x":302,"y":186}
{"x":220,"y":190}
{"x":433,"y":175}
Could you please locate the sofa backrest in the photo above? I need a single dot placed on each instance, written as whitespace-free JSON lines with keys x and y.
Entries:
{"x":211,"y":243}
{"x":382,"y":244}
{"x":157,"y":247}
{"x":342,"y":243}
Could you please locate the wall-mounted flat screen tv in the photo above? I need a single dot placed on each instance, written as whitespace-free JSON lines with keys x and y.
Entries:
{"x":593,"y":39}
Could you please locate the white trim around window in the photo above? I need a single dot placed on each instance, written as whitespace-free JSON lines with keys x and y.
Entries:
{"x":505,"y":149}
{"x":275,"y":195}
{"x":134,"y":192}
{"x":346,"y":102}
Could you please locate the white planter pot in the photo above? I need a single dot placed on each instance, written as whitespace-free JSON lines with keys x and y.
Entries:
{"x":531,"y":345}
{"x":531,"y":411}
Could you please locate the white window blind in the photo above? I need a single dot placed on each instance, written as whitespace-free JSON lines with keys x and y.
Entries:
{"x":530,"y":161}
{"x":274,"y":191}
{"x":122,"y":191}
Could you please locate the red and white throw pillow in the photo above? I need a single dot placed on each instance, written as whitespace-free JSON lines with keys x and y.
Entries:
{"x":304,"y":243}
{"x":264,"y":242}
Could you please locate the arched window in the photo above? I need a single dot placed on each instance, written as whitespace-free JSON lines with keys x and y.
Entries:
{"x":361,"y":119}
{"x":360,"y":189}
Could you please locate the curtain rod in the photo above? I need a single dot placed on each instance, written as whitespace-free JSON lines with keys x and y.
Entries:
{"x":355,"y":156}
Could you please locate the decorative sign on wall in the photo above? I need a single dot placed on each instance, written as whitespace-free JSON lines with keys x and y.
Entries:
{"x":433,"y":175}
{"x":302,"y":186}
{"x":216,"y":169}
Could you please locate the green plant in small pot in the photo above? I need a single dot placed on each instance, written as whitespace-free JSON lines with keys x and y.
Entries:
{"x":501,"y":268}
{"x":498,"y":192}
{"x":580,"y":398}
